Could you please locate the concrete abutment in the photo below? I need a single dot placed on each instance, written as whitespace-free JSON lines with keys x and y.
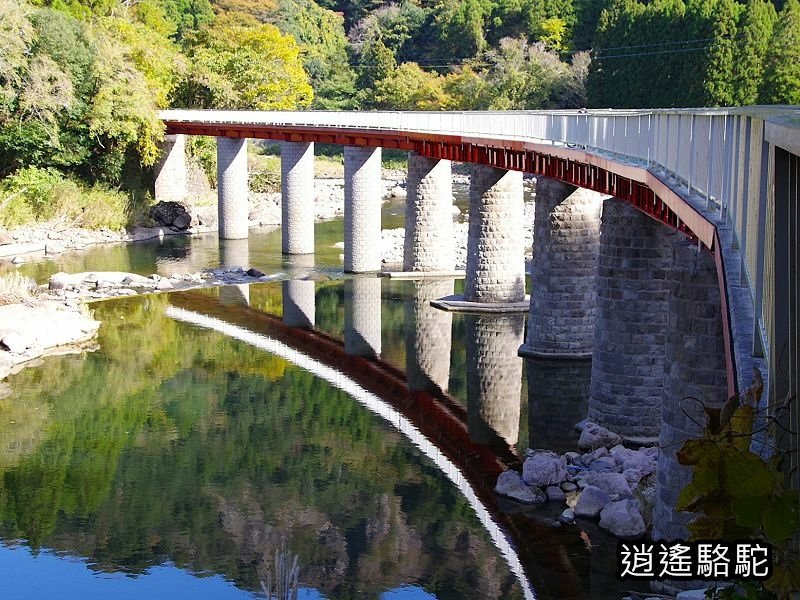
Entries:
{"x":170,"y":182}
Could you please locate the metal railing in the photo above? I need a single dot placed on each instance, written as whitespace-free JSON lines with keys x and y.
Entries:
{"x":719,"y":157}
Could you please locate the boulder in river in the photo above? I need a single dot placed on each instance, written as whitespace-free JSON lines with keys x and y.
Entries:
{"x":591,"y":501}
{"x":623,"y":520}
{"x":593,"y":436}
{"x":543,"y":469}
{"x":171,"y":214}
{"x":510,"y":484}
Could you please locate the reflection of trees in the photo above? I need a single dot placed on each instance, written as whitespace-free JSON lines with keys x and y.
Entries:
{"x":173,"y":443}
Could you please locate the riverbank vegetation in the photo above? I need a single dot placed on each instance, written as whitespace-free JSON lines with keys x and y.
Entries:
{"x":81,"y":81}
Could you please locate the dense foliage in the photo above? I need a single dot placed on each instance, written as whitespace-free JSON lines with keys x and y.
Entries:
{"x":81,"y":81}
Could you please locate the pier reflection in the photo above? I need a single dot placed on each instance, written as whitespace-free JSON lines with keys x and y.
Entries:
{"x":234,"y":253}
{"x":558,"y":398}
{"x":494,"y":377}
{"x":299,"y":303}
{"x":428,"y":336}
{"x":362,"y":316}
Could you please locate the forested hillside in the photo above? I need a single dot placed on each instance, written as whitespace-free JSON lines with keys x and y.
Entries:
{"x":81,"y":80}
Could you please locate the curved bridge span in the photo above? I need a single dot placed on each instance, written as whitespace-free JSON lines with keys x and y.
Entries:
{"x":726,"y":179}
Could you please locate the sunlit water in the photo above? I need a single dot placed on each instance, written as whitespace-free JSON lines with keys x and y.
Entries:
{"x":175,"y":459}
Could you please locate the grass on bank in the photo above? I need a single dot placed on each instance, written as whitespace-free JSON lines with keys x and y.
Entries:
{"x":16,"y":288}
{"x":34,"y":194}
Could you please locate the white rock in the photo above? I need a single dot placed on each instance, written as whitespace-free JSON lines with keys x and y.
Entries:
{"x":16,"y":342}
{"x":623,"y":520}
{"x":510,"y":484}
{"x":544,"y":468}
{"x":53,"y":248}
{"x":165,"y":284}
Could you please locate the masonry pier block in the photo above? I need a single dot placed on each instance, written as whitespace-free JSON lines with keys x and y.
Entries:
{"x":297,"y":197}
{"x":495,"y":245}
{"x":232,"y":188}
{"x":566,"y":245}
{"x":170,"y":183}
{"x":429,"y":215}
{"x":362,"y":209}
{"x":694,"y":367}
{"x":631,"y":322}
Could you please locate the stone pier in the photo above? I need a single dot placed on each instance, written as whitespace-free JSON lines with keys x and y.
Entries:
{"x":428,"y":336}
{"x":234,"y":253}
{"x":297,"y":197}
{"x":566,"y":244}
{"x":558,"y":396}
{"x":299,"y":303}
{"x":694,"y":367}
{"x":496,"y":240}
{"x":170,"y":184}
{"x":232,"y":188}
{"x":494,"y":377}
{"x":362,"y":209}
{"x":429,"y":215}
{"x":631,"y":323}
{"x":362,"y":316}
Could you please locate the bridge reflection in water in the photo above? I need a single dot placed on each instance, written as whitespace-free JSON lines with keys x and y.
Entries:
{"x":471,"y":445}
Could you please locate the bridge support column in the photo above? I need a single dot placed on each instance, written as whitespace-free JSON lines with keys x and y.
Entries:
{"x":362,"y":209}
{"x":429,"y":215}
{"x":495,"y":245}
{"x":297,"y":197}
{"x":299,"y":303}
{"x":428,"y":343}
{"x":232,"y":188}
{"x":170,"y":183}
{"x":566,"y":244}
{"x":694,"y":366}
{"x":494,"y":377}
{"x":362,"y":316}
{"x":631,"y":322}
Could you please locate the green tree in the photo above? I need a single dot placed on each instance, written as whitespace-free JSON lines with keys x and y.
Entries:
{"x":187,"y":16}
{"x":320,"y":32}
{"x":782,"y":73}
{"x":461,"y":25}
{"x":245,"y":65}
{"x":410,"y":88}
{"x":756,"y":29}
{"x":719,"y":82}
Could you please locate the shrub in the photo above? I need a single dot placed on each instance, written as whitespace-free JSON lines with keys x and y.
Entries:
{"x":35,"y":194}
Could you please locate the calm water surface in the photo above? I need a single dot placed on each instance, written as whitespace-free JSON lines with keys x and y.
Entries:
{"x":210,"y":427}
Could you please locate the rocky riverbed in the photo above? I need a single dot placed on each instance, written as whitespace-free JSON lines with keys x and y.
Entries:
{"x":39,"y":327}
{"x":605,"y":481}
